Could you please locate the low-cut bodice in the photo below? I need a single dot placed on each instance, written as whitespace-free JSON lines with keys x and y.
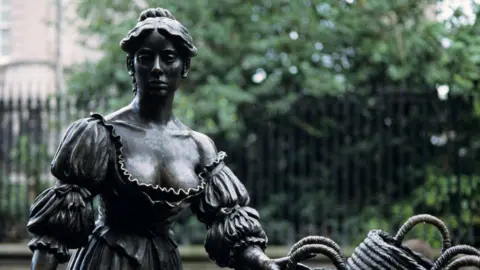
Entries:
{"x":144,"y":180}
{"x":160,"y":157}
{"x":152,"y":177}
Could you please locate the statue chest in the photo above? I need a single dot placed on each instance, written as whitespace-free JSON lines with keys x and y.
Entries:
{"x":164,"y":158}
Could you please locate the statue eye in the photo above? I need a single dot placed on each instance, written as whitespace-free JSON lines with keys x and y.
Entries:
{"x":145,"y":58}
{"x":170,"y":58}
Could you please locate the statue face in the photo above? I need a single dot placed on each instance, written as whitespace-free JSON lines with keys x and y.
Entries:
{"x":158,"y":66}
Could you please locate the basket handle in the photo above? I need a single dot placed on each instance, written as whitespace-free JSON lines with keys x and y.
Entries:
{"x":315,"y":240}
{"x":308,"y":249}
{"x":468,"y":260}
{"x":451,"y":253}
{"x":425,"y":218}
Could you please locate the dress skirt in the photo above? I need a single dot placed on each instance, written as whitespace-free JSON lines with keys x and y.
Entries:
{"x":107,"y":250}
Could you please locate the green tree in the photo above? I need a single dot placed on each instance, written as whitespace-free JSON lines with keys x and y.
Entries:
{"x":265,"y":55}
{"x":262,"y":60}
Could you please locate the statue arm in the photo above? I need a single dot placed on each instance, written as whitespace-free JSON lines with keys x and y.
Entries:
{"x":235,"y":236}
{"x":62,"y":216}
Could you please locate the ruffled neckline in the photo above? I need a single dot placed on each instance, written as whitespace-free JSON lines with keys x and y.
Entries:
{"x":129,"y":178}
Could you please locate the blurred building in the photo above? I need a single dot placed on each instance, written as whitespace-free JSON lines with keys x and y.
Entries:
{"x":28,"y":45}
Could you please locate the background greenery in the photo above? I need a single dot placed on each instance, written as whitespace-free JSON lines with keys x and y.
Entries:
{"x":262,"y":63}
{"x":263,"y":59}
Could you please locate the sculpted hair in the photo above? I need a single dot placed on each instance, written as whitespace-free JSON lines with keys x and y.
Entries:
{"x":163,"y":21}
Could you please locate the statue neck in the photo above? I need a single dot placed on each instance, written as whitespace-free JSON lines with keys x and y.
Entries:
{"x":156,"y":109}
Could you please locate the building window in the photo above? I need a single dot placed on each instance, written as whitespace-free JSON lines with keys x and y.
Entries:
{"x":5,"y":27}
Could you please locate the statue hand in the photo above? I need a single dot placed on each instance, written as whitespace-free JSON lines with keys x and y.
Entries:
{"x":42,"y":260}
{"x":281,"y":263}
{"x":271,"y":265}
{"x":254,"y":258}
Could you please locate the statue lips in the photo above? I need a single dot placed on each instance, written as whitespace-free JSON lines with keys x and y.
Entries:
{"x":157,"y":84}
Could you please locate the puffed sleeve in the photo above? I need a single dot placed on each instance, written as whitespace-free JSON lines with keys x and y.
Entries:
{"x":62,"y":216}
{"x":231,"y":224}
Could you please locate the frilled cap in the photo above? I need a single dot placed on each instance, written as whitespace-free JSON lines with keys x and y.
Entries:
{"x":161,"y":20}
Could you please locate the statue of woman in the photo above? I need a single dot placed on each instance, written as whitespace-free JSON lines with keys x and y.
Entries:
{"x":146,"y":167}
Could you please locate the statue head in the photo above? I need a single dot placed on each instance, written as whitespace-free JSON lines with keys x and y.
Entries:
{"x":159,"y":49}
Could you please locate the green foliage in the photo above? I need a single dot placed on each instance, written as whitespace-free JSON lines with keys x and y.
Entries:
{"x":259,"y":60}
{"x":452,"y":199}
{"x":266,"y":55}
{"x":458,"y":65}
{"x":29,"y":157}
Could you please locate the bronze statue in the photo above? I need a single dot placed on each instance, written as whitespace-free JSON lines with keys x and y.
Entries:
{"x":146,"y":167}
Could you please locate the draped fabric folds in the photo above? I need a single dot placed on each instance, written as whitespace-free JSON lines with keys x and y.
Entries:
{"x":231,"y":224}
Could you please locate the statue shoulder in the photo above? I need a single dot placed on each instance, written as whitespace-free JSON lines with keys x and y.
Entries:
{"x":119,"y":114}
{"x":206,"y":147}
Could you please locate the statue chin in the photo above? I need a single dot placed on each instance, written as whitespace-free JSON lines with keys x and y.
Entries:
{"x":163,"y":92}
{"x":158,"y":92}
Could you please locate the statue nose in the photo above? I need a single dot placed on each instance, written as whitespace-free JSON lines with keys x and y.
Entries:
{"x":156,"y":66}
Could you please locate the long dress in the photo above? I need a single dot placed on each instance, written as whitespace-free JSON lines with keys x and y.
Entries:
{"x":133,"y":228}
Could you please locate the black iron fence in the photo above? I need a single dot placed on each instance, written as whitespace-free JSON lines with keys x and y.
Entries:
{"x":336,"y":166}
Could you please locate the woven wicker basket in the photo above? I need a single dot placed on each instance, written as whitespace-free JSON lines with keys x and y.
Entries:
{"x":382,"y":251}
{"x":448,"y":261}
{"x":309,"y":247}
